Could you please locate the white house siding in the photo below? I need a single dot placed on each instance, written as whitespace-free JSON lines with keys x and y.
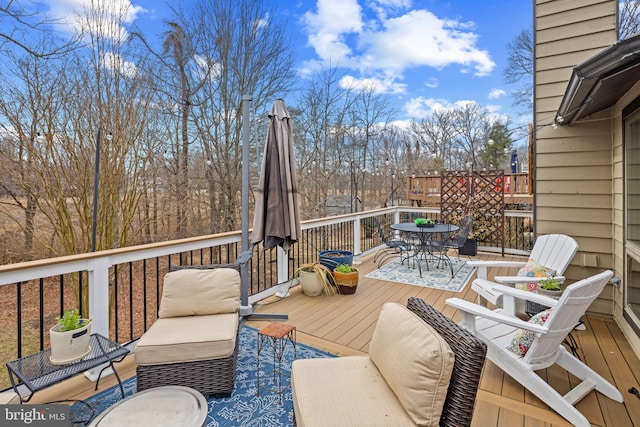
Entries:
{"x":573,"y":173}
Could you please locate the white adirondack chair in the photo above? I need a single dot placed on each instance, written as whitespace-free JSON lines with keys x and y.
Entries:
{"x":496,"y":328}
{"x":554,"y":251}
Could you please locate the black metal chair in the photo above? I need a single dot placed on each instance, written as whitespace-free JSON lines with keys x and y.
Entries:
{"x":457,"y":240}
{"x":393,"y":247}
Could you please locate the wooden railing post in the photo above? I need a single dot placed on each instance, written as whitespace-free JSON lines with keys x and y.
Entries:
{"x":99,"y":295}
{"x":282,"y":264}
{"x":356,"y":236}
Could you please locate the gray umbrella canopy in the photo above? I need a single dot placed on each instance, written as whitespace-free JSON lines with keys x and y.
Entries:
{"x":276,"y":220}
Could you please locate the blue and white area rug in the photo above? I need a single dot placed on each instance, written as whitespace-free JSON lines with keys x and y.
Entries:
{"x":437,"y":277}
{"x":244,"y":407}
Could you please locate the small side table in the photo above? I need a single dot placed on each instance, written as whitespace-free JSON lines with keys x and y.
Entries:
{"x":275,"y":335}
{"x":37,"y":372}
{"x":159,"y":406}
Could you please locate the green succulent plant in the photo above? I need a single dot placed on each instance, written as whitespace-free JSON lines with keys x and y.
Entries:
{"x":344,"y":268}
{"x":71,"y":320}
{"x":550,"y":285}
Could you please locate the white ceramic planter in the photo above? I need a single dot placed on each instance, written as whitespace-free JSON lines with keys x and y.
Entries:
{"x":69,"y":346}
{"x":310,"y":283}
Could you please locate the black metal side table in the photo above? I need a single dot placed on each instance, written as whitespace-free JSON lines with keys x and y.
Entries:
{"x":37,"y":372}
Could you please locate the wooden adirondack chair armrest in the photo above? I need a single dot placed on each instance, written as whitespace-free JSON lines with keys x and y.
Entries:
{"x":469,"y":311}
{"x":483,"y":266}
{"x":524,"y":279}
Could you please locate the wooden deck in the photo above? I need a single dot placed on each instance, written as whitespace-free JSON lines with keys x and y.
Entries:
{"x":343,"y":325}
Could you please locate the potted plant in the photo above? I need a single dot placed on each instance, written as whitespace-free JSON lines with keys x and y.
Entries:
{"x":424,"y":222}
{"x":314,"y":279}
{"x":70,"y":338}
{"x":550,"y":287}
{"x":346,"y":278}
{"x":333,"y":257}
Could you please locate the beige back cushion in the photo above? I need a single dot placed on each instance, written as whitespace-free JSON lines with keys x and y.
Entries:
{"x":194,"y":292}
{"x":414,"y":360}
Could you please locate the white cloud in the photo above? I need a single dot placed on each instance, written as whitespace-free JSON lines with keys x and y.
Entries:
{"x":329,"y":26}
{"x":70,"y":15}
{"x":419,"y":38}
{"x":116,"y":63}
{"x":394,"y":3}
{"x":379,"y":85}
{"x":386,"y":38}
{"x":422,"y":107}
{"x":432,"y":83}
{"x":496,"y":93}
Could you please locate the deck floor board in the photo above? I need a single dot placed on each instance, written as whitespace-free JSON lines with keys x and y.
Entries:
{"x":343,"y":325}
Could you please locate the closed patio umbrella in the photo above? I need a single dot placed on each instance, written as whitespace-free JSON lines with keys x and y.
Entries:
{"x":514,"y":161}
{"x":276,"y":220}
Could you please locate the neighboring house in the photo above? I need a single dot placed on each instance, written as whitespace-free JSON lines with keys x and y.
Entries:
{"x":587,"y":146}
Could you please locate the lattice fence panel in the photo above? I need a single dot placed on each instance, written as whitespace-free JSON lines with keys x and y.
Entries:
{"x":479,"y":194}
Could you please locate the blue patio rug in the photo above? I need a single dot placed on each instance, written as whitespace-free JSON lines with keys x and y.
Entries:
{"x":243,"y":408}
{"x":436,"y":277}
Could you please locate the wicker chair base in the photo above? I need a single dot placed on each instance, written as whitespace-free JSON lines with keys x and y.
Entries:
{"x":470,"y":355}
{"x":209,"y":377}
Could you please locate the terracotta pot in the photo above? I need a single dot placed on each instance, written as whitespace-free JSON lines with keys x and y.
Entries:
{"x":346,"y":282}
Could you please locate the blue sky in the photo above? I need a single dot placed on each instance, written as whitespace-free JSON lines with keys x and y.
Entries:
{"x":423,"y":54}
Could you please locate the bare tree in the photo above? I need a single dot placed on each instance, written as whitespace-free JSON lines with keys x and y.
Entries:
{"x":629,"y":20}
{"x":473,"y":124}
{"x":55,"y":108}
{"x":435,"y":135}
{"x":250,"y":54}
{"x":324,"y":105}
{"x":177,"y":43}
{"x":30,"y":31}
{"x":519,"y":70}
{"x":370,"y":114}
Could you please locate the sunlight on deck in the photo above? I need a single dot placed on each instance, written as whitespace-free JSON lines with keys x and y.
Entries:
{"x":343,"y":325}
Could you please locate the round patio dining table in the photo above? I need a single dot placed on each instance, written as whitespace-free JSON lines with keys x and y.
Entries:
{"x":424,"y":250}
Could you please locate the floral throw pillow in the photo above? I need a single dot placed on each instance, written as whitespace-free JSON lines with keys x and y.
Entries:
{"x":523,"y":339}
{"x":533,"y":269}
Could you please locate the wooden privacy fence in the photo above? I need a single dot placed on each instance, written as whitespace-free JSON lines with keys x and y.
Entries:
{"x":477,"y":194}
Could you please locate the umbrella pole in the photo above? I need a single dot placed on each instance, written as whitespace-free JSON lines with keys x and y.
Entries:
{"x":246,"y":310}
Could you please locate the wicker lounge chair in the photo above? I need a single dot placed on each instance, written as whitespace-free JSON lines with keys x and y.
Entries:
{"x":378,"y":388}
{"x":194,"y":341}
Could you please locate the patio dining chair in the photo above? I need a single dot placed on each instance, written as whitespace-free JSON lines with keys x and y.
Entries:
{"x":392,"y":247}
{"x":521,"y":348}
{"x":460,"y":237}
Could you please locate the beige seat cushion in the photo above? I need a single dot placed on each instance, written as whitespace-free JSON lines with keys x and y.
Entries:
{"x":344,"y":391}
{"x":187,"y":339}
{"x":415,"y":361}
{"x":193,"y":292}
